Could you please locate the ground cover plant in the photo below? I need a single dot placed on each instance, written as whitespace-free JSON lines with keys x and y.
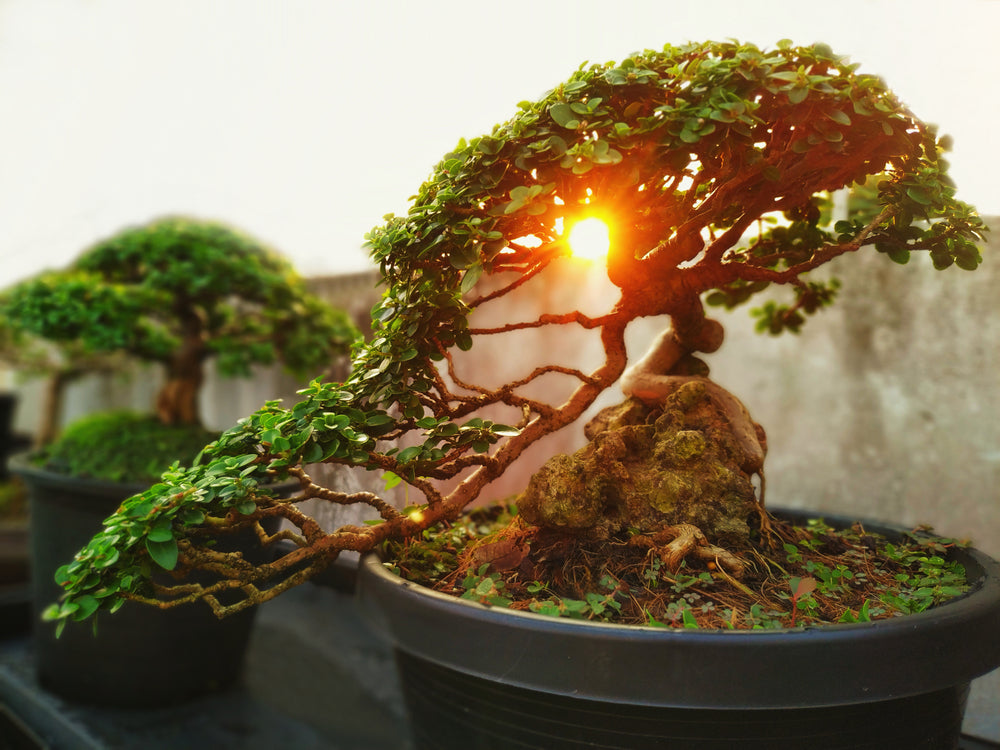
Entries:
{"x":709,"y":165}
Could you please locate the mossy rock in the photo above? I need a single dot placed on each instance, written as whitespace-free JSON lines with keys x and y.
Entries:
{"x":651,"y":466}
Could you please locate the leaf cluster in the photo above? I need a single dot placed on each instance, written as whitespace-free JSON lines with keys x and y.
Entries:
{"x":146,"y":533}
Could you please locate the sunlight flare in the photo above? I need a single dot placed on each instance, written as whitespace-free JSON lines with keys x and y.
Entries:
{"x":590,"y":238}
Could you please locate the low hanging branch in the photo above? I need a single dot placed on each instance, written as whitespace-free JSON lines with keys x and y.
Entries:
{"x":681,"y":152}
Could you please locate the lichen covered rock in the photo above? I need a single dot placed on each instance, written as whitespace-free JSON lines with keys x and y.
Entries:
{"x":689,"y":459}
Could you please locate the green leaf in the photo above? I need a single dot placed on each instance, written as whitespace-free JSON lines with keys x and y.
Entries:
{"x":164,"y":554}
{"x":689,"y":619}
{"x":899,"y":255}
{"x":408,"y":454}
{"x":62,"y":575}
{"x":163,"y":531}
{"x":88,"y":605}
{"x":839,"y":117}
{"x":139,"y":510}
{"x":313,"y":453}
{"x":52,"y":612}
{"x":798,"y":95}
{"x":110,"y":558}
{"x":967,"y":257}
{"x":471,"y":276}
{"x":379,"y":420}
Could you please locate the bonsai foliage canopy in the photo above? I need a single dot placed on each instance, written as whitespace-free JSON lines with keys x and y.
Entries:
{"x":179,"y":291}
{"x":709,"y":162}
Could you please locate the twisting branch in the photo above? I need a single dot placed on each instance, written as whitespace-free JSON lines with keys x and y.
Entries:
{"x":311,"y":489}
{"x":521,"y":280}
{"x":749,"y":271}
{"x":582,"y":320}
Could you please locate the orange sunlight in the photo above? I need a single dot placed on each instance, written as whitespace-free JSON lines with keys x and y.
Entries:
{"x":589,"y":239}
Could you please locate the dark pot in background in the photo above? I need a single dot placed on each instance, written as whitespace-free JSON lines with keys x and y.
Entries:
{"x":15,"y":586}
{"x":15,"y":597}
{"x":141,"y":656}
{"x":480,"y":678}
{"x":10,"y":442}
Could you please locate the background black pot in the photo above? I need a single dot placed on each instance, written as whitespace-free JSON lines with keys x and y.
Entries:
{"x":15,"y":594}
{"x":10,"y":442}
{"x":140,"y":656}
{"x":480,"y":678}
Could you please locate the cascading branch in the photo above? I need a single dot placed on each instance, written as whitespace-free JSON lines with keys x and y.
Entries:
{"x":709,"y":162}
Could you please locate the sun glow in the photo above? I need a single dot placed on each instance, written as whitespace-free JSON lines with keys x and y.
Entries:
{"x":590,"y":239}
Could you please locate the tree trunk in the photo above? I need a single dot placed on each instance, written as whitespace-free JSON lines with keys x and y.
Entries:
{"x":48,"y":425}
{"x":177,"y":401}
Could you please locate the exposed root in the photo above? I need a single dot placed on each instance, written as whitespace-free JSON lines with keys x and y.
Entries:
{"x":675,"y":543}
{"x":768,"y":534}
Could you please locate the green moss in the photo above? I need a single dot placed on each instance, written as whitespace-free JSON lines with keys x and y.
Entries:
{"x":123,"y":447}
{"x":688,"y":444}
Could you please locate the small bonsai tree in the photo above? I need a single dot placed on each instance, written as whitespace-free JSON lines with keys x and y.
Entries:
{"x":176,"y":292}
{"x":709,"y":163}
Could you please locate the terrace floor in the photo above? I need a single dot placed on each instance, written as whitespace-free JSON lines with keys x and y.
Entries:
{"x":316,"y":678}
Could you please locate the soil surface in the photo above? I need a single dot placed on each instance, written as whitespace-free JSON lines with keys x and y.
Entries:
{"x":795,"y":575}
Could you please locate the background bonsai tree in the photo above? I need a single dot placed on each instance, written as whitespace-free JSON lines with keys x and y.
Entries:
{"x":708,"y":162}
{"x":176,"y":292}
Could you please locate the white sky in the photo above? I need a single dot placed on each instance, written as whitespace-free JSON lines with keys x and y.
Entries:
{"x":303,"y":122}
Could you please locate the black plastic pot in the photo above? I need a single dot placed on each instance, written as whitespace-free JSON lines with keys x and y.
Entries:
{"x":480,"y":678}
{"x":140,"y":656}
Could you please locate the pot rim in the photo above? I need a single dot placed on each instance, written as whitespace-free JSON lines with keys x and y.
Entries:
{"x":100,"y":488}
{"x":783,"y":668}
{"x":21,"y":465}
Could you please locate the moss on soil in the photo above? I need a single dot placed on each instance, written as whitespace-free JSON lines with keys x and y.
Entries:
{"x":123,"y":447}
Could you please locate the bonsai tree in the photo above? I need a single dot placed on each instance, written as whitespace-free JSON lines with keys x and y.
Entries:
{"x":709,"y":164}
{"x":176,"y":292}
